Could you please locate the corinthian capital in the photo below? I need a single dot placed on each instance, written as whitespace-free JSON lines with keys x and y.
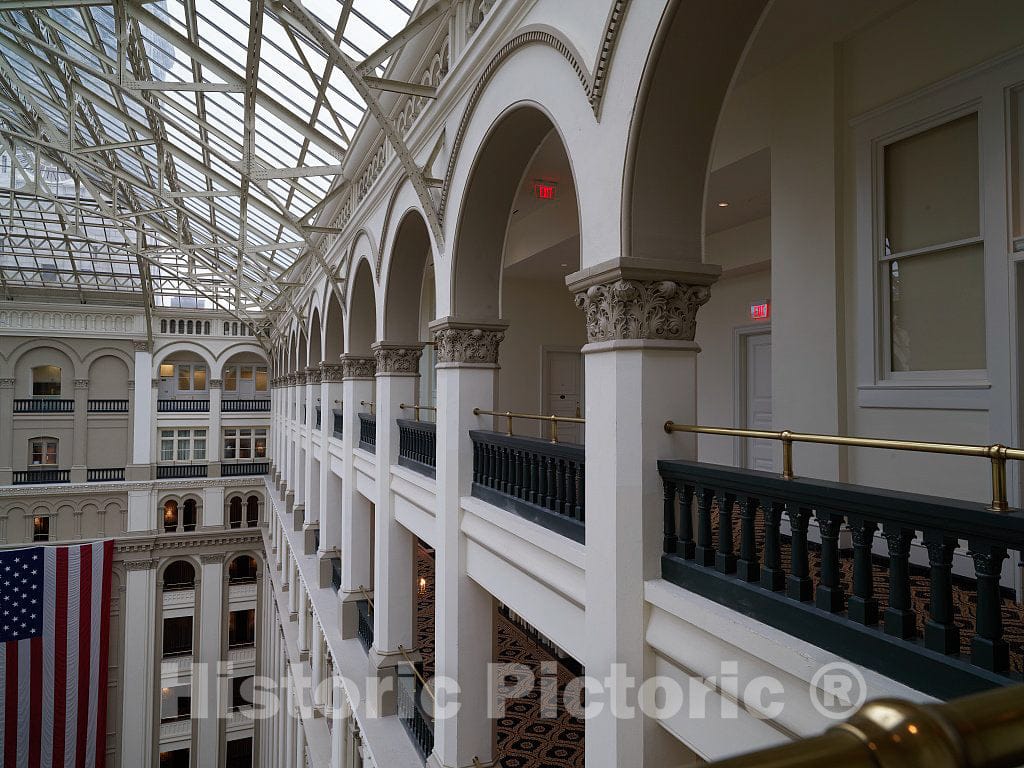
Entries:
{"x":459,"y":343}
{"x":331,"y":372}
{"x":642,"y":299}
{"x":397,"y":359}
{"x":357,"y":367}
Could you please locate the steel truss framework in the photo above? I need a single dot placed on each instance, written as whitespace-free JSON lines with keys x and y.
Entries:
{"x":177,"y":152}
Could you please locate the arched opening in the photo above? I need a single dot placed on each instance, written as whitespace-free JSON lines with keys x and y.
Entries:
{"x":411,"y":300}
{"x":235,"y":512}
{"x":245,"y":382}
{"x":170,"y":516}
{"x":252,"y":511}
{"x":189,"y":516}
{"x":242,"y":570}
{"x":334,"y":330}
{"x":179,"y":575}
{"x":518,"y":239}
{"x":362,"y":314}
{"x":183,"y":375}
{"x":315,"y":330}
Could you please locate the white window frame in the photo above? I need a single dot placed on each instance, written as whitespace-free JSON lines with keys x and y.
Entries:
{"x":45,"y":441}
{"x":50,"y":524}
{"x":183,"y":439}
{"x":236,"y":434}
{"x":984,"y":90}
{"x":192,"y":369}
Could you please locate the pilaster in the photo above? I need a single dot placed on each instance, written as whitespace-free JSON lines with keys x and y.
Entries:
{"x":6,"y":431}
{"x":80,"y":440}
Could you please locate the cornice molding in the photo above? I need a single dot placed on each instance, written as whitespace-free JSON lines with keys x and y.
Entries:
{"x":68,"y":489}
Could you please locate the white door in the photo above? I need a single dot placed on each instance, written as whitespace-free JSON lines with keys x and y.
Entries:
{"x":564,"y":392}
{"x":246,"y":382}
{"x":758,"y":454}
{"x":168,"y":382}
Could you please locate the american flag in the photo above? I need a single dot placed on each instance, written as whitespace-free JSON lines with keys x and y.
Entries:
{"x":55,"y":636}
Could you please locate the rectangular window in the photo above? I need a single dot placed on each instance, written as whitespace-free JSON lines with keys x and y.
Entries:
{"x":246,"y":373}
{"x":183,"y":445}
{"x":43,"y":453}
{"x":178,"y":636}
{"x":41,"y":528}
{"x":241,"y":628}
{"x":932,"y":254}
{"x":199,"y":378}
{"x":175,"y":703}
{"x":241,"y":692}
{"x":261,"y":379}
{"x":260,"y":444}
{"x":184,"y":378}
{"x":245,"y":443}
{"x":166,"y":370}
{"x":230,"y":379}
{"x":46,"y":381}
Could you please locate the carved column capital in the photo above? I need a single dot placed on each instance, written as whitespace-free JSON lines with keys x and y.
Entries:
{"x":331,"y":373}
{"x":216,"y":383}
{"x":357,"y":367}
{"x":81,"y":383}
{"x":131,"y":385}
{"x":300,"y":379}
{"x":139,"y":565}
{"x":313,"y":374}
{"x":155,"y":383}
{"x":213,"y":558}
{"x":6,"y":383}
{"x":642,"y":300}
{"x":141,"y":346}
{"x":467,"y":344}
{"x":397,"y":359}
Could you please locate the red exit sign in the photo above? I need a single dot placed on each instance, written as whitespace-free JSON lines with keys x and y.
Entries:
{"x":544,"y":190}
{"x":761,"y":310}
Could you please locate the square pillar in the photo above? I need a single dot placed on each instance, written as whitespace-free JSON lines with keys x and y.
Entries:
{"x":143,"y":423}
{"x":212,"y":588}
{"x":640,"y":365}
{"x":467,"y":365}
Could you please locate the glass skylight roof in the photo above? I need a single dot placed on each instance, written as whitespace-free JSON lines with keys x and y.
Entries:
{"x":173,"y":149}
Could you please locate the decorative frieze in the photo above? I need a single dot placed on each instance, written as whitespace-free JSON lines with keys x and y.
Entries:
{"x":139,"y":565}
{"x":68,"y":321}
{"x":634,"y":299}
{"x":397,"y":360}
{"x":331,"y":373}
{"x":213,"y":558}
{"x":470,"y":344}
{"x":358,"y":367}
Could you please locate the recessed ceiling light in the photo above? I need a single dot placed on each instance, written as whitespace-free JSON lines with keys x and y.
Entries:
{"x":723,"y":204}
{"x":565,"y":265}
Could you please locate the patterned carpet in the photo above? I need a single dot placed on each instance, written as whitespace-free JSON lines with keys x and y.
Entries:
{"x":524,"y":739}
{"x":964,"y":599}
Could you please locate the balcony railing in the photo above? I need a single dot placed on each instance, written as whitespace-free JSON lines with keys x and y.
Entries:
{"x":244,"y":468}
{"x":183,"y":406}
{"x":418,"y":723}
{"x":259,"y":405}
{"x":536,"y":479}
{"x":365,"y":628}
{"x":813,"y":599}
{"x":43,"y":405}
{"x":41,"y":476}
{"x":178,"y":471}
{"x":368,"y":432}
{"x":105,"y":475}
{"x":417,"y":446}
{"x":338,"y":429}
{"x":108,"y":406}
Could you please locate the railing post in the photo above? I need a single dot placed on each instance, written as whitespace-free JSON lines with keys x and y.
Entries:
{"x":900,"y":620}
{"x":863,"y":607}
{"x":798,"y":583}
{"x":747,"y":566}
{"x":988,"y":648}
{"x":725,"y":558}
{"x":772,"y":575}
{"x":830,"y":596}
{"x":940,"y":631}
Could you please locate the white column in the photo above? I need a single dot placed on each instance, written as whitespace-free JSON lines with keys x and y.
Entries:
{"x":79,"y":443}
{"x":214,"y":438}
{"x":638,"y":375}
{"x":143,"y":423}
{"x":139,"y":681}
{"x":356,"y":513}
{"x":211,"y":646}
{"x":467,"y":356}
{"x":143,"y":515}
{"x":330,"y":483}
{"x":6,"y":431}
{"x":394,"y":608}
{"x":310,"y":494}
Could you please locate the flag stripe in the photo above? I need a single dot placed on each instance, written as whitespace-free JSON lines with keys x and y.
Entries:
{"x":101,"y":741}
{"x":24,"y":699}
{"x":94,"y":653}
{"x":60,"y":661}
{"x":11,"y":707}
{"x":49,"y":657}
{"x":36,"y":694}
{"x":84,"y":656}
{"x":71,"y":654}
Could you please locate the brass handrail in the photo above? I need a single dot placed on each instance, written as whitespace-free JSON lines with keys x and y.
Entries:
{"x":417,"y":408}
{"x":552,"y":419}
{"x":985,"y":730}
{"x":369,"y":600}
{"x":368,"y":404}
{"x":416,"y":671}
{"x":997,"y":454}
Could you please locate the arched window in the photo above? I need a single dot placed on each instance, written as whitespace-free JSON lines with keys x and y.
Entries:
{"x":180,"y":574}
{"x":206,"y":328}
{"x":170,"y":516}
{"x":235,"y":513}
{"x":172,"y":328}
{"x":190,"y":326}
{"x":46,"y":381}
{"x":252,"y":511}
{"x":181,"y":326}
{"x":163,"y":326}
{"x":227,"y":326}
{"x":188,"y":522}
{"x":242,"y":570}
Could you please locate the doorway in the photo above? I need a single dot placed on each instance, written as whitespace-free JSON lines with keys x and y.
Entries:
{"x":563,"y":390}
{"x":754,"y":375}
